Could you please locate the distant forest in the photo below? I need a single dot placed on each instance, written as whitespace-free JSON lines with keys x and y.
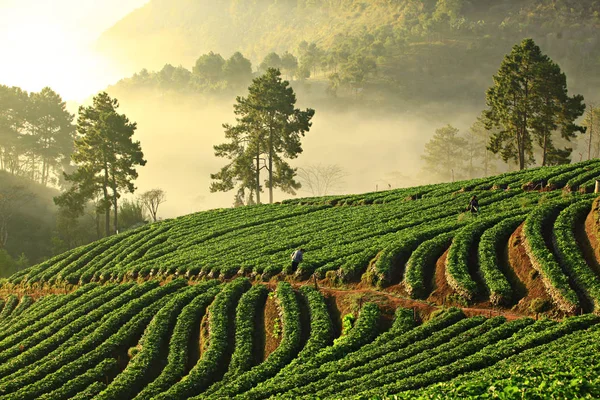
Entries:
{"x":389,"y":53}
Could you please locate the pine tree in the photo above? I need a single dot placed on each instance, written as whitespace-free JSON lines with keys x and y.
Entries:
{"x":106,"y":157}
{"x":268,"y":130}
{"x":445,"y":153}
{"x":529,"y":100}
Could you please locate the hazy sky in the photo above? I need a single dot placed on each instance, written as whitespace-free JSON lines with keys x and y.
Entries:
{"x":49,"y":43}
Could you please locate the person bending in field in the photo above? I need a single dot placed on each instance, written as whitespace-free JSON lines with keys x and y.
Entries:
{"x":297,"y":258}
{"x":473,"y":205}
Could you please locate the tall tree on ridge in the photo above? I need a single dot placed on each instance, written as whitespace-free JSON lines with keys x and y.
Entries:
{"x":106,"y":156}
{"x":554,"y":109}
{"x":209,"y":67}
{"x":445,"y":153}
{"x":271,"y":60}
{"x":529,"y":98}
{"x":268,"y":130}
{"x":52,"y":130}
{"x":592,"y":123}
{"x":289,"y":64}
{"x":13,"y":121}
{"x":237,"y":70}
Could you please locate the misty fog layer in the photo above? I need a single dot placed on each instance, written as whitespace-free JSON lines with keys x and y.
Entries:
{"x":177,"y":137}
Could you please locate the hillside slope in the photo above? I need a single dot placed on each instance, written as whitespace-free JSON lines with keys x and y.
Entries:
{"x":27,"y":220}
{"x":140,"y":315}
{"x":420,"y":46}
{"x":207,"y":341}
{"x":383,"y":239}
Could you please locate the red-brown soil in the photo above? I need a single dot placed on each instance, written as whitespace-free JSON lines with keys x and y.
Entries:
{"x":441,"y":288}
{"x":348,"y":298}
{"x":521,"y":265}
{"x":588,"y":241}
{"x":271,"y":315}
{"x":199,"y":341}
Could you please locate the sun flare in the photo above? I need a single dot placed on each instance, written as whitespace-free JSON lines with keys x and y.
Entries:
{"x":51,"y":44}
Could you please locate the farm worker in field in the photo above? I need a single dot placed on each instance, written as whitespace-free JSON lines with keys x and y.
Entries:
{"x":473,"y":205}
{"x":297,"y":258}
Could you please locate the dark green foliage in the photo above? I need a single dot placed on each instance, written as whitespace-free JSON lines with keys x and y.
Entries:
{"x":570,"y":254}
{"x":285,"y":352}
{"x":529,"y":101}
{"x":211,"y":365}
{"x":130,"y":381}
{"x":555,"y":280}
{"x":489,"y":248}
{"x":268,"y":127}
{"x":177,"y":360}
{"x":106,"y":157}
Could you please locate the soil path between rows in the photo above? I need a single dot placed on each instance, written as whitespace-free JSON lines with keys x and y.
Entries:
{"x":587,"y":238}
{"x":441,"y":288}
{"x":521,"y":265}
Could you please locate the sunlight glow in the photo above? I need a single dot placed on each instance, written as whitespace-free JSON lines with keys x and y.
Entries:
{"x":49,"y":43}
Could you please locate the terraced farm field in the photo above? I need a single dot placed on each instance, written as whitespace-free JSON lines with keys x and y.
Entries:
{"x":401,"y":293}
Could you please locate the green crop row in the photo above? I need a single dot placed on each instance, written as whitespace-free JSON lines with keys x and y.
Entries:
{"x":9,"y":305}
{"x":44,"y":315}
{"x":177,"y":358}
{"x":120,"y":329}
{"x":346,"y":376}
{"x":570,"y":253}
{"x":24,"y":304}
{"x":464,"y":243}
{"x":399,"y":336}
{"x":83,"y":381}
{"x":292,"y":214}
{"x":27,"y":306}
{"x":491,"y":243}
{"x":582,"y":177}
{"x":21,"y":275}
{"x":435,"y":358}
{"x":285,"y":352}
{"x":538,"y":222}
{"x":359,"y":336}
{"x":422,"y":259}
{"x":321,"y":328}
{"x":27,"y":366}
{"x":211,"y":366}
{"x":222,"y":243}
{"x":563,"y":179}
{"x":129,"y":382}
{"x":244,"y":353}
{"x":534,"y":335}
{"x":66,"y":273}
{"x":90,"y":391}
{"x":21,"y":348}
{"x":563,"y":368}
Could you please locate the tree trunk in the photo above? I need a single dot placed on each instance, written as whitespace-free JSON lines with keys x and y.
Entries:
{"x":544,"y":150}
{"x":270,"y":165}
{"x":33,"y":167}
{"x":591,"y":128}
{"x":258,"y":173}
{"x":114,"y":188}
{"x":521,"y":151}
{"x":106,"y":202}
{"x":44,"y":177}
{"x":524,"y":127}
{"x":97,"y":225}
{"x":3,"y":233}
